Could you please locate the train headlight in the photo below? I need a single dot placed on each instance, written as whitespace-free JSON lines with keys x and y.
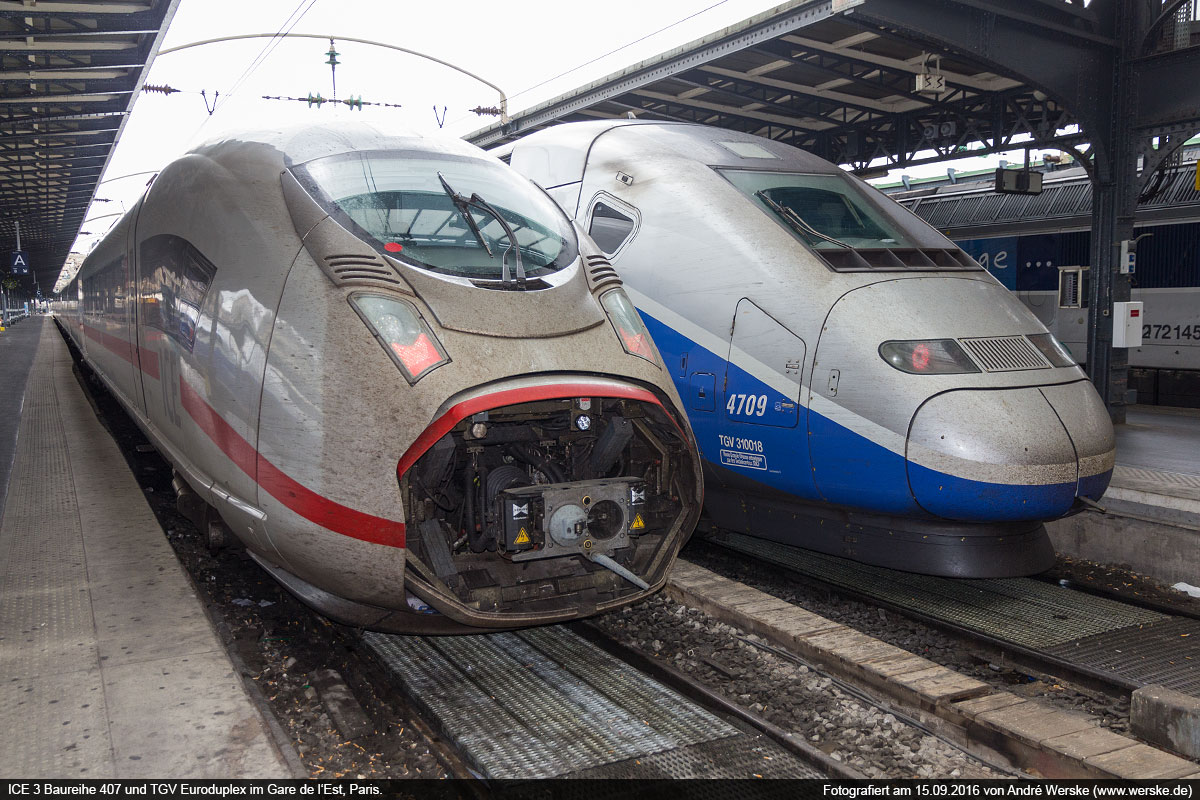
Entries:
{"x":1052,"y":349}
{"x":403,"y":333}
{"x":928,"y":357}
{"x":628,"y":325}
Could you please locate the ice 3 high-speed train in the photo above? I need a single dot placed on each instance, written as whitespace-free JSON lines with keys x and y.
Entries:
{"x":858,"y":385}
{"x":395,"y":370}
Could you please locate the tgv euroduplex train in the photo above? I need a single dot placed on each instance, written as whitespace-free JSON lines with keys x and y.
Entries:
{"x":398,"y":374}
{"x":858,"y":384}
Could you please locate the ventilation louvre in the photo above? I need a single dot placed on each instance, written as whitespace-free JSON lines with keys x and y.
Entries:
{"x":355,"y":268}
{"x":1004,"y":353}
{"x":601,"y":273}
{"x":897,"y":259}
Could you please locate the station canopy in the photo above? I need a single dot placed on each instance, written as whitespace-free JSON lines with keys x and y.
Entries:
{"x":828,"y":77}
{"x":71,"y":72}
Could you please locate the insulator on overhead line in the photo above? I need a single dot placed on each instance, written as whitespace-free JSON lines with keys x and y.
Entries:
{"x":491,"y":111}
{"x":163,"y":89}
{"x":318,"y":100}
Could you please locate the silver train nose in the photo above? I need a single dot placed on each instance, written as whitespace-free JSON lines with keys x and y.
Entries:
{"x":1009,"y":454}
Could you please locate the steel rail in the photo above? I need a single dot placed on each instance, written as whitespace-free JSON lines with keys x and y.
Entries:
{"x":1026,"y":658}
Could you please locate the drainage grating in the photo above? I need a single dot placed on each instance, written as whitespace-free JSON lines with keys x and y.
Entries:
{"x":1029,"y":613}
{"x":735,"y":757}
{"x":1166,"y":653}
{"x":545,"y":703}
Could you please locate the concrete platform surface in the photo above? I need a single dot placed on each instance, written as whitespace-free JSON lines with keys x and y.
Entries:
{"x":18,"y":343}
{"x":1164,"y":439}
{"x":111,"y":669}
{"x":1152,"y":524}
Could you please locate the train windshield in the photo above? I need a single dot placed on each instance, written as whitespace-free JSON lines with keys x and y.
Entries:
{"x":835,"y":216}
{"x":450,"y":214}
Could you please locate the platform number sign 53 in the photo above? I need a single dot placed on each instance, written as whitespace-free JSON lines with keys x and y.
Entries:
{"x":747,"y":405}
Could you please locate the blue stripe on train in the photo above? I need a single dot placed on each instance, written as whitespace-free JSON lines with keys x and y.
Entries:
{"x":853,"y":470}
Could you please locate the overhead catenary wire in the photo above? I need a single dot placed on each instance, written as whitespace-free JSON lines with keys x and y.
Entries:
{"x":269,"y":48}
{"x":614,"y":51}
{"x":285,"y":27}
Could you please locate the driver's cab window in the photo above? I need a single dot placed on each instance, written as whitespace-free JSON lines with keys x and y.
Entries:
{"x":611,"y":226}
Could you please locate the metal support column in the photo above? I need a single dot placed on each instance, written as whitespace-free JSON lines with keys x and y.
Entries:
{"x":1115,"y":188}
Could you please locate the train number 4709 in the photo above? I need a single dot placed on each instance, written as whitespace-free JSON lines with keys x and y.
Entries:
{"x":749,"y":405}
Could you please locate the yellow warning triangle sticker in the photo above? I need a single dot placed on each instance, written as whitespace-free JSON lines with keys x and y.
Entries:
{"x":522,"y":537}
{"x":638,"y":524}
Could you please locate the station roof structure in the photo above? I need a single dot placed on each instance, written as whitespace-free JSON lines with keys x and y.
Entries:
{"x":832,"y":77}
{"x":70,"y":72}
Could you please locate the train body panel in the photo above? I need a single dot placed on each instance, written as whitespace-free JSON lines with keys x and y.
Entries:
{"x":362,"y":371}
{"x":775,"y":334}
{"x":1026,"y":241}
{"x":106,"y":315}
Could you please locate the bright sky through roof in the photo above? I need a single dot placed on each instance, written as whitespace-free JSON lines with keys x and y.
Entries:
{"x":514,"y":45}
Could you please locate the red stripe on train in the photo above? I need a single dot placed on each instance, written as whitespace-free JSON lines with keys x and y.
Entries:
{"x":486,"y":402}
{"x":304,"y":502}
{"x":147,"y":360}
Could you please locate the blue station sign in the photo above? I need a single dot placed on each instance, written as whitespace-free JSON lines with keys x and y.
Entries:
{"x":19,"y":262}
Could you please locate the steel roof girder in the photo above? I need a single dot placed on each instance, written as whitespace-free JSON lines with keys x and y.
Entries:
{"x":838,"y":67}
{"x":1167,"y":89}
{"x":126,"y":59}
{"x":998,"y":33}
{"x":639,"y":110}
{"x":74,"y":8}
{"x":62,"y":74}
{"x":802,"y":108}
{"x":768,"y":27}
{"x":904,"y":69}
{"x":842,"y":98}
{"x":731,"y":111}
{"x":62,"y":99}
{"x":86,"y":25}
{"x":72,"y":46}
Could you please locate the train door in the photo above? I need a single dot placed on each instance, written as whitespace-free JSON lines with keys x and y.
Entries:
{"x":761,"y":398}
{"x":143,"y":368}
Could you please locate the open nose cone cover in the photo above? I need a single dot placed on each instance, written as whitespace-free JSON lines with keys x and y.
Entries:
{"x":991,"y":455}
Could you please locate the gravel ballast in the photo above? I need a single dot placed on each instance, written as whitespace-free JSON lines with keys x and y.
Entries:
{"x":787,"y":694}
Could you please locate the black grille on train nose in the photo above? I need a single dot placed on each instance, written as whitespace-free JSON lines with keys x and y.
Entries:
{"x":1004,"y":353}
{"x":601,"y":272}
{"x":357,"y":268}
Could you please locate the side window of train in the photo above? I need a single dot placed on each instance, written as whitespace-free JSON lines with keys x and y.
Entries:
{"x":612,"y":223}
{"x":175,"y":280}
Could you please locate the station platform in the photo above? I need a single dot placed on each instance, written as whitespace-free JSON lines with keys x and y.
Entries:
{"x":111,"y":666}
{"x":1151,"y":519}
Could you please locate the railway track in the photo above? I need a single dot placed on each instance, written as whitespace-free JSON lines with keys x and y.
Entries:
{"x":1094,"y":640}
{"x":566,"y":701}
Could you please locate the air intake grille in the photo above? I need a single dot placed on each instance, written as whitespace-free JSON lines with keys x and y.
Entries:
{"x":601,"y":272}
{"x":1004,"y":353}
{"x":354,"y":268}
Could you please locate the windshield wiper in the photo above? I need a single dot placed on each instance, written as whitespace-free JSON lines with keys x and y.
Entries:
{"x":463,"y":204}
{"x":796,"y":221}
